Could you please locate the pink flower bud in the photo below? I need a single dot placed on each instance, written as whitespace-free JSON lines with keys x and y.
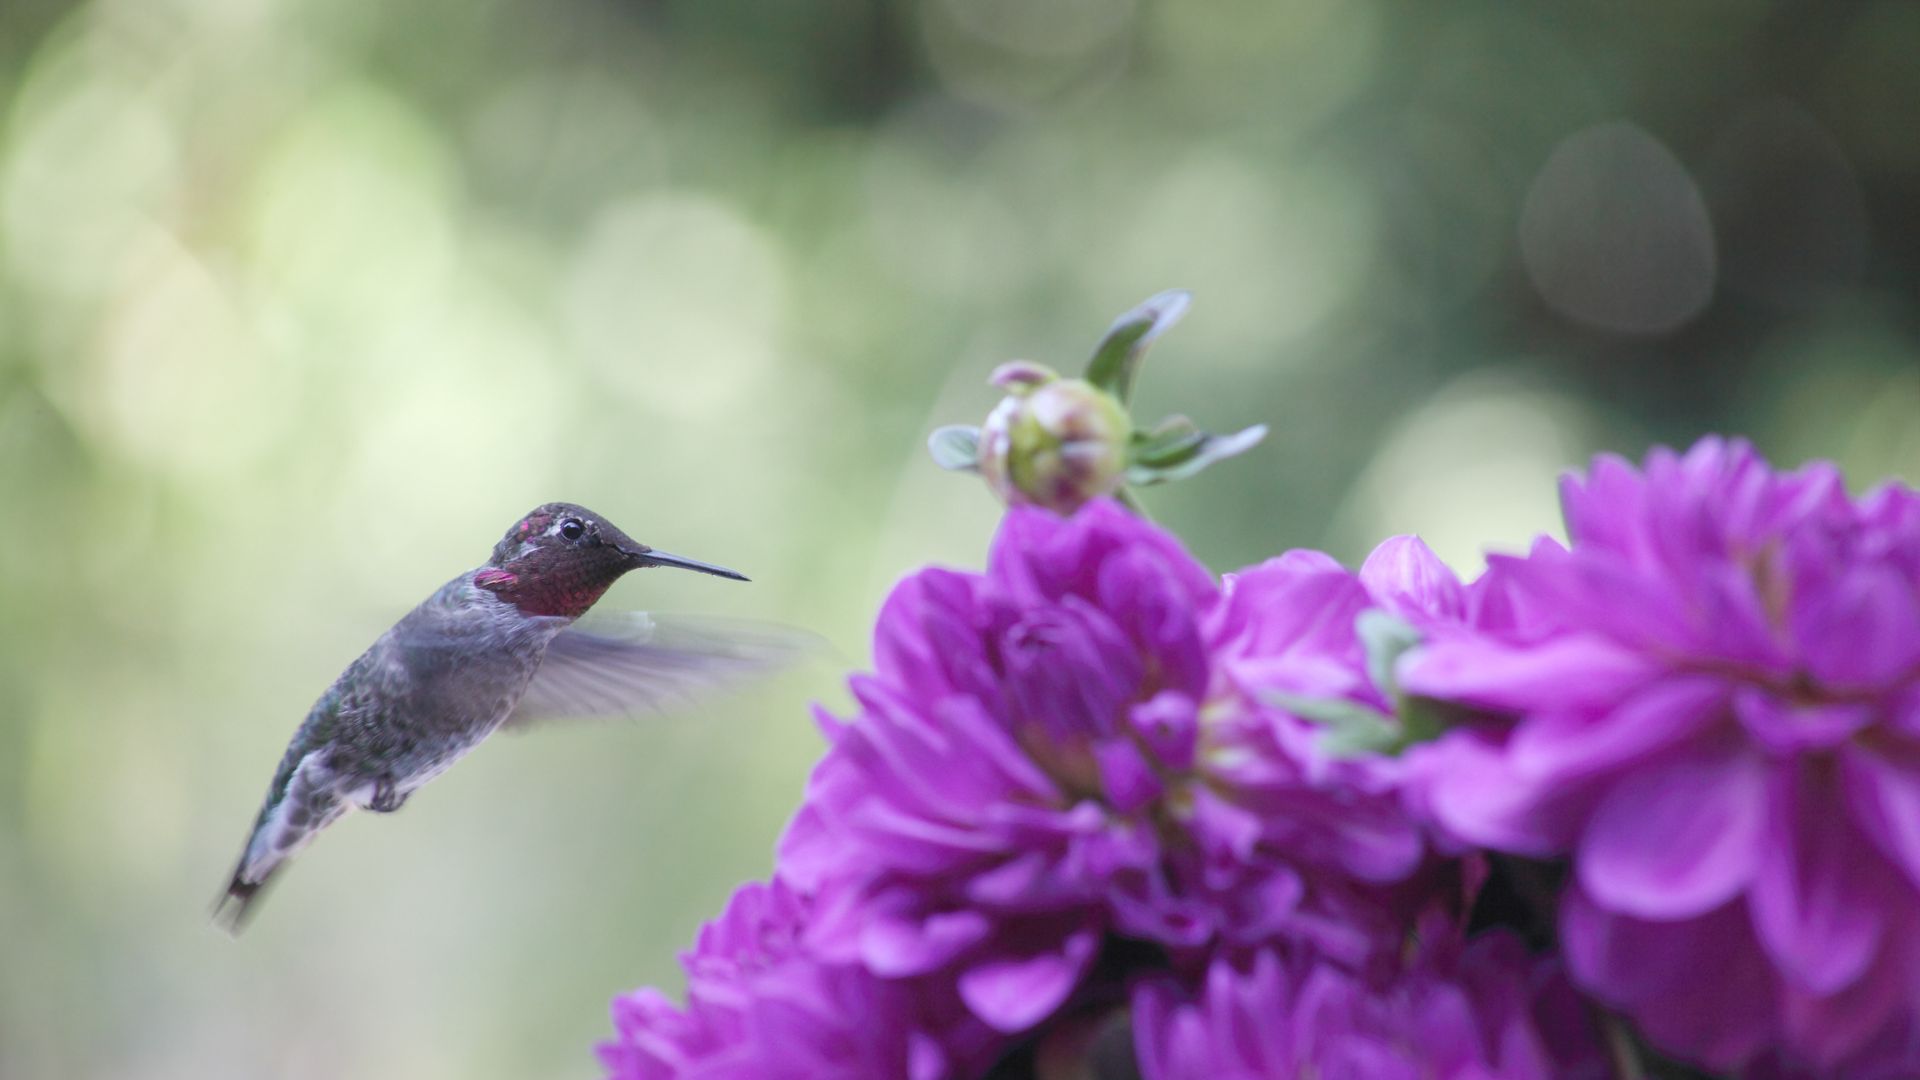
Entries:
{"x":1053,"y":442}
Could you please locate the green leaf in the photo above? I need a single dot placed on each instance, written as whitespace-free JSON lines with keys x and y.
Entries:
{"x":1386,"y":638}
{"x":1351,"y":728}
{"x":1177,"y":460}
{"x":956,"y":446}
{"x":1117,"y":357}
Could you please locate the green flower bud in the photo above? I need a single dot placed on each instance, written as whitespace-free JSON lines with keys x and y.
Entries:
{"x":1053,"y":442}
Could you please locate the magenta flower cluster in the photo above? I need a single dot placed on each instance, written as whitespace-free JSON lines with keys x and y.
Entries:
{"x":1490,"y":1010}
{"x":1267,"y":825}
{"x":1709,"y":702}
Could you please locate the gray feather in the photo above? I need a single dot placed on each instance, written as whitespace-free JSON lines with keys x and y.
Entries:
{"x":635,"y":663}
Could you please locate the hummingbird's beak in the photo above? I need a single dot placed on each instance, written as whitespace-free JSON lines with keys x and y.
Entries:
{"x":652,"y":557}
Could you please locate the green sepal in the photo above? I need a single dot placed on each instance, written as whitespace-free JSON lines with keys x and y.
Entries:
{"x":955,"y":446}
{"x":1351,"y":728}
{"x":1386,"y":638}
{"x":1424,"y":719}
{"x":1171,"y":441}
{"x":1179,"y":453}
{"x":1117,"y":358}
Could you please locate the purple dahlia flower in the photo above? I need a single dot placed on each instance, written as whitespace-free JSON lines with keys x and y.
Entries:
{"x":759,"y":1006}
{"x":1711,"y":701}
{"x":1491,"y":1012}
{"x":1077,"y":744}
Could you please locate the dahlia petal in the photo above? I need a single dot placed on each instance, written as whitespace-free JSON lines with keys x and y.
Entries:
{"x":1378,"y":844}
{"x":1325,"y":1006}
{"x":1591,"y":504}
{"x":1699,"y":989}
{"x":901,"y":946}
{"x":1226,"y":834}
{"x":1811,"y":901}
{"x":1014,"y":993}
{"x":1128,"y":781}
{"x":1446,"y":1031}
{"x":1464,"y":785}
{"x":1408,"y":579}
{"x":1042,"y":558}
{"x":1812,"y":495}
{"x":1147,"y":601}
{"x":1119,"y":848}
{"x":840,"y":915}
{"x":1422,"y":1018}
{"x":994,"y":750}
{"x":1902,"y":709}
{"x":1567,"y":673}
{"x":1568,"y":744}
{"x":1498,"y":604}
{"x":1787,"y":728}
{"x":931,"y":609}
{"x":1370,"y":1057}
{"x":1884,"y":799}
{"x":1679,"y":499}
{"x":895,"y":736}
{"x":1733,"y":620}
{"x":1144,"y":908}
{"x":1677,"y":837}
{"x":830,"y":726}
{"x":1041,"y":826}
{"x":1862,"y":632}
{"x":919,"y":845}
{"x":1067,"y":669}
{"x":926,"y":1060}
{"x":1826,"y":1031}
{"x":1604,"y":594}
{"x":1290,"y":604}
{"x":1246,"y":1024}
{"x":1168,"y":723}
{"x":1302,"y":676}
{"x":1018,"y":880}
{"x":1164,"y":1032}
{"x":808,"y":847}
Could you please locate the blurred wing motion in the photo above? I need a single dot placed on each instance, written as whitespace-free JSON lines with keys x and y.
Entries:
{"x":634,"y":662}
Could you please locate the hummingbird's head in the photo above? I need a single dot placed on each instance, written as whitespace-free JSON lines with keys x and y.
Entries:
{"x":561,"y":558}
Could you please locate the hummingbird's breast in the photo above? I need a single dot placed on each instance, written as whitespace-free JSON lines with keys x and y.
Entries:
{"x":441,"y":681}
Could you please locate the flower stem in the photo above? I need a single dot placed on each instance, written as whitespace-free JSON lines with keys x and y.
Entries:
{"x":1621,"y":1045}
{"x":1132,"y":502}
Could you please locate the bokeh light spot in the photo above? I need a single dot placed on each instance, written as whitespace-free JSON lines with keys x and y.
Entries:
{"x":91,"y":162}
{"x":352,"y":211}
{"x":181,"y":382}
{"x":1615,"y":234}
{"x":1272,"y":255}
{"x":677,"y":302}
{"x":1473,"y":469}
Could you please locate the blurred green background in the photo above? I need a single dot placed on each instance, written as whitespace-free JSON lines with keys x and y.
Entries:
{"x":303,"y":302}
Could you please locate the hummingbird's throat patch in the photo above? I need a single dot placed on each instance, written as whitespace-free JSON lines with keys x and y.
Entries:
{"x":537,"y":593}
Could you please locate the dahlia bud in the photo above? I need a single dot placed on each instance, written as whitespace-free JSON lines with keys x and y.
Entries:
{"x":1059,"y":443}
{"x":1053,"y":442}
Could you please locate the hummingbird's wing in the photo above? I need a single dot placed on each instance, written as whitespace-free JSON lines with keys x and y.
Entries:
{"x":635,"y":662}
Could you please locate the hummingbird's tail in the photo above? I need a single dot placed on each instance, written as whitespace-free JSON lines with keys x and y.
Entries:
{"x":259,"y":864}
{"x":308,"y":802}
{"x":231,"y":908}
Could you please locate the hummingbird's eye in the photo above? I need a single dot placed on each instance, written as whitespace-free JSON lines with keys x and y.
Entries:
{"x":572,"y":529}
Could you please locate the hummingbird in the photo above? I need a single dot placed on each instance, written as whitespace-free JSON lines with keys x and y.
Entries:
{"x":497,"y":647}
